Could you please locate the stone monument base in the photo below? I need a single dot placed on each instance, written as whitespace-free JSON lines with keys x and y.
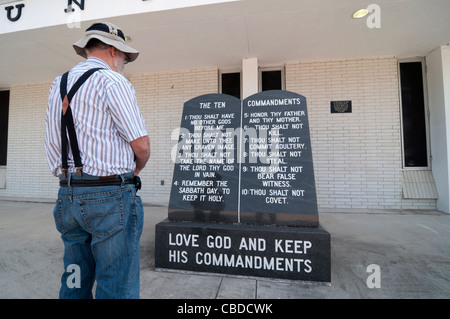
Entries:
{"x":277,"y":252}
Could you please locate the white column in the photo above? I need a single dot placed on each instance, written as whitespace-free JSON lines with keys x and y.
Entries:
{"x":438,"y":78}
{"x":249,"y":77}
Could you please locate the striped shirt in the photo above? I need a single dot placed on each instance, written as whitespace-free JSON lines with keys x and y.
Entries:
{"x":106,"y":119}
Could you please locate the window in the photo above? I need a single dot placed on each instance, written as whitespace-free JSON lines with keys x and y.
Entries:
{"x":4,"y":111}
{"x":271,"y":79}
{"x":414,"y":120}
{"x":230,"y":83}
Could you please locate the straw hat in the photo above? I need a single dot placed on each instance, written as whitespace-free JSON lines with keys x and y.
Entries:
{"x":108,"y":33}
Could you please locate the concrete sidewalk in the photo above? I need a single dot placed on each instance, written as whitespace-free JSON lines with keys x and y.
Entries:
{"x":412,"y":250}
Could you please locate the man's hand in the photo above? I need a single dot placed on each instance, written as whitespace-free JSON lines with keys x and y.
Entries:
{"x":141,"y":149}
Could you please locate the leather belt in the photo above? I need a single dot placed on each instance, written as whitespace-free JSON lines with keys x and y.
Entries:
{"x":102,"y":182}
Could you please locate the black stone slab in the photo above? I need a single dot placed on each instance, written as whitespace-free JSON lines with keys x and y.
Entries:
{"x":245,"y":161}
{"x":278,"y":252}
{"x":205,"y":178}
{"x":277,"y":179}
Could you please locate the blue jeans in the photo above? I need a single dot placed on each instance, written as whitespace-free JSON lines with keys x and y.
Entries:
{"x":100,"y":227}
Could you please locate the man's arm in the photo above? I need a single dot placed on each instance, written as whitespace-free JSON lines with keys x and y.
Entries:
{"x":141,"y":149}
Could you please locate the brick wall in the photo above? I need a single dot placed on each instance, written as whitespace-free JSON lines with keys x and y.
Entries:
{"x":27,"y":173}
{"x":357,"y":156}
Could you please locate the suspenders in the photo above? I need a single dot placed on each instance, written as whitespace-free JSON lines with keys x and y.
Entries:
{"x":67,"y":126}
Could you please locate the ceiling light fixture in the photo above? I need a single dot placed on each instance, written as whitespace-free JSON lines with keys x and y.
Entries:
{"x":361,"y":13}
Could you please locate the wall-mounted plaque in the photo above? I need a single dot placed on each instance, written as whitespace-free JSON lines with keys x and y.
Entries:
{"x":341,"y":106}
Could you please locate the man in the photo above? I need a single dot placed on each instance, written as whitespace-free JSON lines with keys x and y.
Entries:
{"x":97,"y":143}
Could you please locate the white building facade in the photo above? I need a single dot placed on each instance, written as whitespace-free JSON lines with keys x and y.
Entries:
{"x":362,"y":157}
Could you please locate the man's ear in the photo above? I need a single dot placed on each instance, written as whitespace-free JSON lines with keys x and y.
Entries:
{"x":114,"y":52}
